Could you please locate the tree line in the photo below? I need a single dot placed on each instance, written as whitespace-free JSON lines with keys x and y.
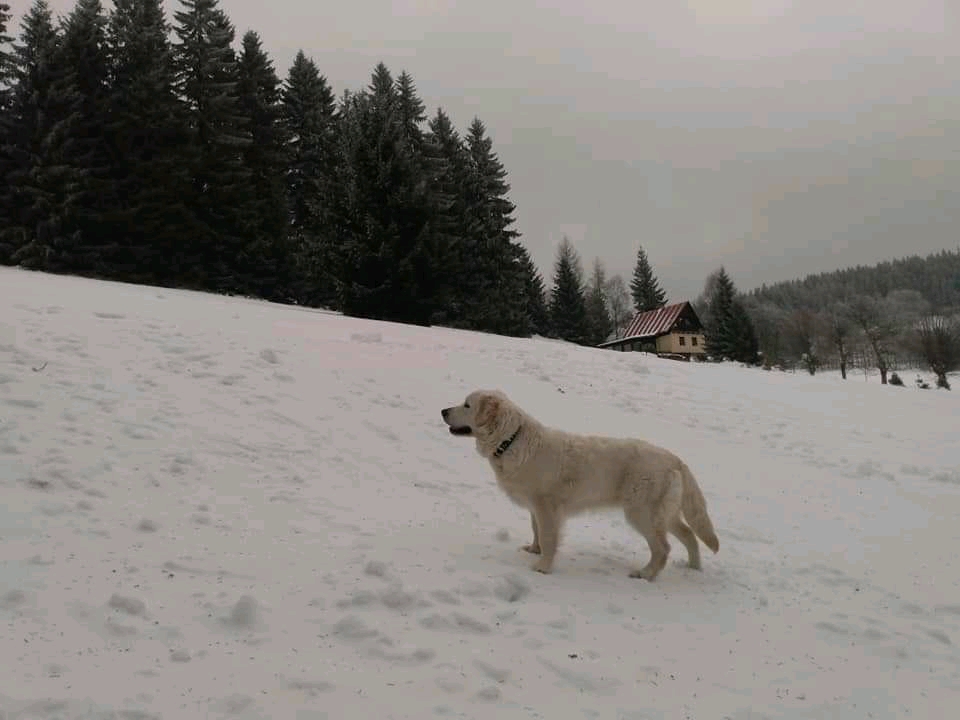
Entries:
{"x":142,"y":150}
{"x":137,"y":149}
{"x":899,"y":313}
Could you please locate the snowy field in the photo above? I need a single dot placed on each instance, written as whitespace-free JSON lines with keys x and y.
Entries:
{"x":221,"y":508}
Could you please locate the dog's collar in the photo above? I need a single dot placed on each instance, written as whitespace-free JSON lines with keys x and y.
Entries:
{"x":505,"y":445}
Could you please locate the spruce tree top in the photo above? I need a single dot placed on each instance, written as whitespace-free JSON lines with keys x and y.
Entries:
{"x":646,"y":290}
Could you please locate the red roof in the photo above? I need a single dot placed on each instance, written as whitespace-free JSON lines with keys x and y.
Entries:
{"x":654,"y":322}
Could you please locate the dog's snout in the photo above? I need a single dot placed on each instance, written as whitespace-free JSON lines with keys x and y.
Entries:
{"x":444,"y":413}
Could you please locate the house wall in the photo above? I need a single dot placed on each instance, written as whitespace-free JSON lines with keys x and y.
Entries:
{"x":670,"y":343}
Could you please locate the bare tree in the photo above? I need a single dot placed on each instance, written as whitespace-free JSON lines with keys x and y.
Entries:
{"x":768,"y":321}
{"x":619,"y":304}
{"x":884,"y":321}
{"x":937,"y":342}
{"x":868,"y":313}
{"x":702,"y":304}
{"x":598,"y":314}
{"x":804,"y":331}
{"x":837,"y":327}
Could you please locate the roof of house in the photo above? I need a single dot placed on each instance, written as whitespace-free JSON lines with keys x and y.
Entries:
{"x":654,"y":322}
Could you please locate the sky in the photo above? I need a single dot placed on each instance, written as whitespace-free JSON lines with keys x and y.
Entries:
{"x":774,"y":138}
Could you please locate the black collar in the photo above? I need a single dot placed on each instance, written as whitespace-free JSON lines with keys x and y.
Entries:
{"x":505,"y":445}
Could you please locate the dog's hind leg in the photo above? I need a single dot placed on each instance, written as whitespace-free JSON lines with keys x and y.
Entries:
{"x":534,"y":547}
{"x":656,"y":536}
{"x":547,"y":521}
{"x":680,"y":529}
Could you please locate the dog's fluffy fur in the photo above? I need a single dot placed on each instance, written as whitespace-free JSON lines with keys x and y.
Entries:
{"x":556,"y":474}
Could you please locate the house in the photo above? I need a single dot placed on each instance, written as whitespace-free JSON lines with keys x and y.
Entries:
{"x":670,"y":330}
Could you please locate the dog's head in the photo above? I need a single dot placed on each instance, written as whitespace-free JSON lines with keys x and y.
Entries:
{"x":485,"y":415}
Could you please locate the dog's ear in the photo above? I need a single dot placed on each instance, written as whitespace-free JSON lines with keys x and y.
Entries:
{"x":487,"y":409}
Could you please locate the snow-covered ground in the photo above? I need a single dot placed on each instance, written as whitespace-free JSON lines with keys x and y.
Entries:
{"x":221,"y":508}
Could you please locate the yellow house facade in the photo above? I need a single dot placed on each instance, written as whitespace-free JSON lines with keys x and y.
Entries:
{"x":682,"y":343}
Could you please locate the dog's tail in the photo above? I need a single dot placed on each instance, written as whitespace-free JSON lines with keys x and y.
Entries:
{"x":694,"y":507}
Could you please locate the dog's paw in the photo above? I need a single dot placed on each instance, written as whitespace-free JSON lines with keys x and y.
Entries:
{"x":532,"y":548}
{"x":643,"y":574}
{"x":543,"y":567}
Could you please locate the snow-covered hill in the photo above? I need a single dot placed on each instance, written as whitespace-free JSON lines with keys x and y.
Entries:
{"x":221,"y":508}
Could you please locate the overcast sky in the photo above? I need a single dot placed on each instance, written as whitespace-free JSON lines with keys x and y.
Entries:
{"x":776,"y":138}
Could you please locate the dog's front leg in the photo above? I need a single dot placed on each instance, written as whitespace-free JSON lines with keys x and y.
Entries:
{"x":533,"y":547}
{"x":546,"y":522}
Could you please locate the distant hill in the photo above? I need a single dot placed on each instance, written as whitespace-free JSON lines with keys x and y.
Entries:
{"x":936,"y":277}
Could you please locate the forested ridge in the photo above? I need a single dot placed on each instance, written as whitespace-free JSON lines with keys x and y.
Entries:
{"x":936,"y":277}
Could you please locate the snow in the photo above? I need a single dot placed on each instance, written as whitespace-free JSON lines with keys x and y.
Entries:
{"x":221,"y":508}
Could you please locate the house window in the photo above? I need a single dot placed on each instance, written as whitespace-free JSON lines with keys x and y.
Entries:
{"x":683,"y":341}
{"x":693,"y":341}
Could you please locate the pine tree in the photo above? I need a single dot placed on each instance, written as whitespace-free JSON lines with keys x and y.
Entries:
{"x":426,"y":203}
{"x":490,"y":283}
{"x":568,"y":308}
{"x":381,"y":259}
{"x":729,"y":332}
{"x":30,"y":191}
{"x":647,"y":293}
{"x":207,"y":75}
{"x":78,"y":148}
{"x":6,"y":108}
{"x":450,"y":159}
{"x":6,"y":59}
{"x":65,"y":190}
{"x":496,"y":294}
{"x":742,"y":335}
{"x":309,"y":119}
{"x":360,"y":279}
{"x":598,"y":317}
{"x":719,"y":295}
{"x":382,"y":89}
{"x":6,"y":71}
{"x":410,"y":108}
{"x":535,"y":295}
{"x":147,"y":134}
{"x":265,"y":263}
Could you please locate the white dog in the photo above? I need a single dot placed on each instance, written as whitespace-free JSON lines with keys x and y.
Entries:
{"x":556,"y":474}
